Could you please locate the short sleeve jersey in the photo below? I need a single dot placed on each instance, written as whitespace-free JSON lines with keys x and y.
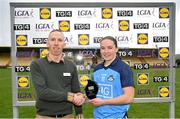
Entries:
{"x":111,"y":81}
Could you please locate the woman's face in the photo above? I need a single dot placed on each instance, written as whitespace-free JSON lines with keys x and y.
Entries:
{"x":108,"y":49}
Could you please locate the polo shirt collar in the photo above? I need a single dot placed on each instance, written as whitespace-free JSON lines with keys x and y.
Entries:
{"x":113,"y":63}
{"x":60,"y":59}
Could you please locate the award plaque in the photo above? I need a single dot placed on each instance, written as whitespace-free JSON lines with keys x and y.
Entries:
{"x":91,"y":89}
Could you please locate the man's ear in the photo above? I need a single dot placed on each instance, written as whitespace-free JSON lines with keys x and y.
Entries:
{"x":64,"y":44}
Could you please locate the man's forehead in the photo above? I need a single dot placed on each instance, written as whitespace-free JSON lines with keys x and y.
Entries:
{"x":57,"y":34}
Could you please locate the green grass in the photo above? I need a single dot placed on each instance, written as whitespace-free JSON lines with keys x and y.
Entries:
{"x":137,"y":110}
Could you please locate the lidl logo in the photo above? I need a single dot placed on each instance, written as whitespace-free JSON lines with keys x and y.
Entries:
{"x":123,"y":25}
{"x":143,"y":78}
{"x":23,"y":82}
{"x":21,"y":40}
{"x":163,"y":12}
{"x":45,"y":13}
{"x":64,"y":26}
{"x":107,"y":13}
{"x":164,"y":91}
{"x":43,"y":53}
{"x":84,"y":80}
{"x":83,"y":39}
{"x":142,"y":38}
{"x":164,"y":53}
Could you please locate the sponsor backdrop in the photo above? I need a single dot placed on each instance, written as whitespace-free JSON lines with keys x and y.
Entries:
{"x":84,"y":27}
{"x":142,"y":33}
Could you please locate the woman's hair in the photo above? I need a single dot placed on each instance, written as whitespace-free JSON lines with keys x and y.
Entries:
{"x":110,"y":38}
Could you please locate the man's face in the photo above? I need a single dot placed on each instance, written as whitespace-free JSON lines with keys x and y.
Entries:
{"x":108,"y":50}
{"x":56,"y":43}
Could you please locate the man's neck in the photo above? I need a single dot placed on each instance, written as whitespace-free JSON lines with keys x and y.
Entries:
{"x":55,"y":58}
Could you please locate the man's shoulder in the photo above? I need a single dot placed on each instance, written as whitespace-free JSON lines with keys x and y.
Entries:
{"x":37,"y":61}
{"x":68,"y":61}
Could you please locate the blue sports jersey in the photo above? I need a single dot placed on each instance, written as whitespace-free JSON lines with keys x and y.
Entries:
{"x":111,"y":80}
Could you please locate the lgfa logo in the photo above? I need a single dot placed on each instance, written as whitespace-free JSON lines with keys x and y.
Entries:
{"x":163,"y":12}
{"x":23,"y":82}
{"x":83,"y":39}
{"x":123,"y":25}
{"x":142,"y":38}
{"x":107,"y":13}
{"x":45,"y":13}
{"x":64,"y":26}
{"x":164,"y":53}
{"x":21,"y":40}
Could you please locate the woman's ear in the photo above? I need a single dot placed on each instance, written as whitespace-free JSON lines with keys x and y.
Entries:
{"x":117,"y":50}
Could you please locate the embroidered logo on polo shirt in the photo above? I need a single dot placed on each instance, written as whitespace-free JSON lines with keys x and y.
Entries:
{"x":110,"y":78}
{"x":66,"y":74}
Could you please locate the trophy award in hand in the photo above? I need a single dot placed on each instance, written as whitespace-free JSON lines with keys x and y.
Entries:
{"x":91,"y":89}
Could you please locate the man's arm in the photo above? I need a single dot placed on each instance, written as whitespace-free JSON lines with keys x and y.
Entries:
{"x":75,"y":89}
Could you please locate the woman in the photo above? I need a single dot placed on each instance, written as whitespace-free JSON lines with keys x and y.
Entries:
{"x":115,"y":81}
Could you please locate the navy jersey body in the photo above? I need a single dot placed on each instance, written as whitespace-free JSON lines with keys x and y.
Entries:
{"x":111,"y":81}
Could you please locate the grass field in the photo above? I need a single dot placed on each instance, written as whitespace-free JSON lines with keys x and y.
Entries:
{"x":137,"y":110}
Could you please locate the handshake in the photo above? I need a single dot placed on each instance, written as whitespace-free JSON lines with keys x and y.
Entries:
{"x":76,"y":98}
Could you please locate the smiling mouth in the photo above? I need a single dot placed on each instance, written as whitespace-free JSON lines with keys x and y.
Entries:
{"x":106,"y":55}
{"x":56,"y":48}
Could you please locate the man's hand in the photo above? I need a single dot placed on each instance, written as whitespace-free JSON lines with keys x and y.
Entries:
{"x":78,"y":99}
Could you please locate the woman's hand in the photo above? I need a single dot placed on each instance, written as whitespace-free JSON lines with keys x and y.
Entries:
{"x":97,"y":102}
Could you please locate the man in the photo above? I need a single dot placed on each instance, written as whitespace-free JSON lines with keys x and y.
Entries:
{"x":56,"y":82}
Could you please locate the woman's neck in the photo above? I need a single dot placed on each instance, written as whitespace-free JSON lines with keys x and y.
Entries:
{"x":108,"y":62}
